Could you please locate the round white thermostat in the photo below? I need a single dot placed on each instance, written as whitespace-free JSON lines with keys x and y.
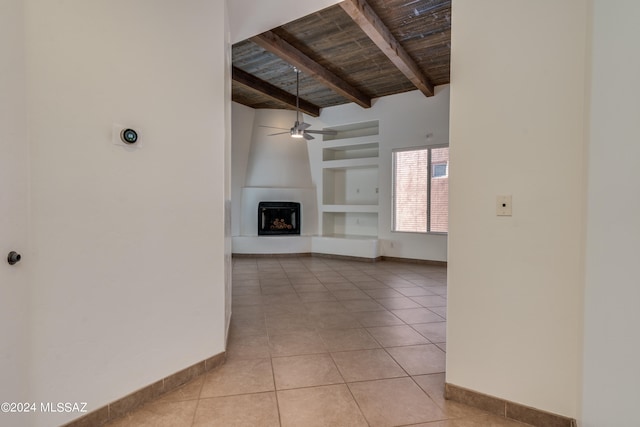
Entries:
{"x":129,"y":136}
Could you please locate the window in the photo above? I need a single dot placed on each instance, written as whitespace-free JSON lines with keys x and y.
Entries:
{"x":421,"y":190}
{"x":439,"y":170}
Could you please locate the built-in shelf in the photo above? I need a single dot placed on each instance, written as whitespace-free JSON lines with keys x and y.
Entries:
{"x":350,"y":236}
{"x":353,"y":130}
{"x":351,"y":208}
{"x":350,"y":223}
{"x":367,"y":162}
{"x":347,"y":245}
{"x":360,"y":148}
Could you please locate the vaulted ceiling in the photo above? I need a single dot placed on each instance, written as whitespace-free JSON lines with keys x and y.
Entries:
{"x":353,"y":51}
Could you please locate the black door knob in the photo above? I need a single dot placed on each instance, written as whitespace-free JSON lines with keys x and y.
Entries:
{"x":13,"y":257}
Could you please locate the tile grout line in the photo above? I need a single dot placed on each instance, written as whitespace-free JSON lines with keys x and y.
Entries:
{"x":195,"y":412}
{"x":273,"y":371}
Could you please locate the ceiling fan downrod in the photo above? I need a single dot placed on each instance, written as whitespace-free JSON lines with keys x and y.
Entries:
{"x":297,"y":94}
{"x":301,"y":129}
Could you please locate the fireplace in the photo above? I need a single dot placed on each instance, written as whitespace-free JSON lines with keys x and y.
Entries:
{"x":278,"y":218}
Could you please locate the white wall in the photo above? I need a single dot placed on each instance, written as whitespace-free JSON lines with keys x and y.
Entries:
{"x":612,"y":318}
{"x":14,"y":172}
{"x":277,"y":161}
{"x":129,"y":245}
{"x":242,"y":128}
{"x":518,"y":128}
{"x":225,"y":170}
{"x":251,"y":17}
{"x":405,"y":120}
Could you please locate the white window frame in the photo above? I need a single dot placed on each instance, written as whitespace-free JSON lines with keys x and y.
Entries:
{"x":429,"y":173}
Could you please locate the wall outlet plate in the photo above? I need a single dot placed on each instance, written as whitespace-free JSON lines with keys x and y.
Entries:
{"x":504,"y":206}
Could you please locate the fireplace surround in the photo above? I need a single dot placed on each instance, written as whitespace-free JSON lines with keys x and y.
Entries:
{"x":278,"y":218}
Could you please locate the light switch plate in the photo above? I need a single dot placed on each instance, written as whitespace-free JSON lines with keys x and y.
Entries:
{"x":504,"y":206}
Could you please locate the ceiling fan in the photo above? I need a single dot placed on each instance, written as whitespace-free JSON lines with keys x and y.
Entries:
{"x":300,"y":129}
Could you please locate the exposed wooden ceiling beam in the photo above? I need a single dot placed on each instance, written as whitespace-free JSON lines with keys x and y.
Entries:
{"x":254,"y":83}
{"x":276,"y":45}
{"x":372,"y":25}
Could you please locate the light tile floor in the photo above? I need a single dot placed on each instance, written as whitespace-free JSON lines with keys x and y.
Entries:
{"x":323,"y":342}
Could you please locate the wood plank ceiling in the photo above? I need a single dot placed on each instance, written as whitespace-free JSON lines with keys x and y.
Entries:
{"x":350,"y":52}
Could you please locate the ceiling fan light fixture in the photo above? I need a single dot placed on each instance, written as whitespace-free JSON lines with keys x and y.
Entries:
{"x":297,"y":133}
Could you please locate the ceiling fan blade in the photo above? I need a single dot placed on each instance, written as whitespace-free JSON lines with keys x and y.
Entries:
{"x":322,"y":132}
{"x":307,"y":136}
{"x":303,"y":126}
{"x":279,"y":133}
{"x":271,"y":127}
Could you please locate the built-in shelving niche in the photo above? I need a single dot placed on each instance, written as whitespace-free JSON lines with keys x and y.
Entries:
{"x":350,"y":181}
{"x":353,"y":130}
